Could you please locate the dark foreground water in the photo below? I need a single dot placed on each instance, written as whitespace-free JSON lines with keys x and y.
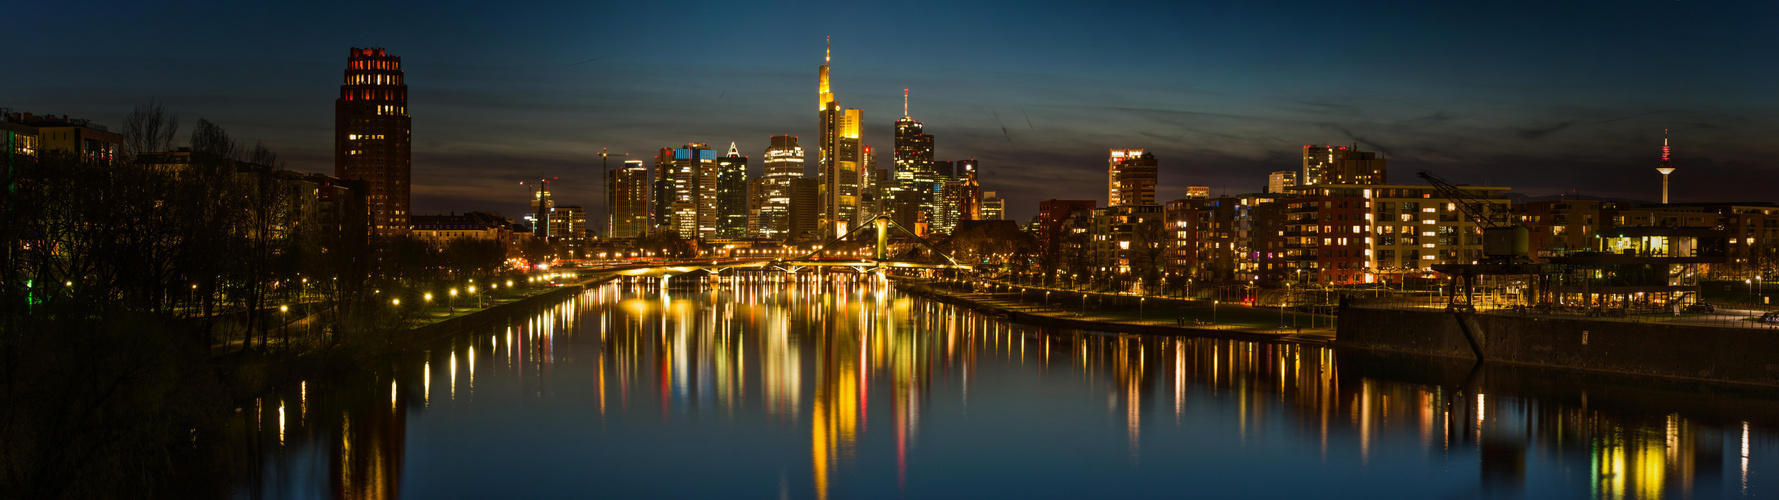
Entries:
{"x":850,"y":390}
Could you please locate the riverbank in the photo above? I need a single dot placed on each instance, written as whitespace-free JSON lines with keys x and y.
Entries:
{"x":257,"y":373}
{"x":1160,"y":321}
{"x":1677,"y":351}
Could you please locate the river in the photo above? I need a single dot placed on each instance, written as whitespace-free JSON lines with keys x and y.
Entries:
{"x":769,"y":389}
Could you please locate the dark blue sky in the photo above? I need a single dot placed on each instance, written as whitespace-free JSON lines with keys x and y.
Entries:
{"x":1541,"y":96}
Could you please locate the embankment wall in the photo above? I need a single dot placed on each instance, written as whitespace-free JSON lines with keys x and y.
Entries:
{"x":1737,"y":355}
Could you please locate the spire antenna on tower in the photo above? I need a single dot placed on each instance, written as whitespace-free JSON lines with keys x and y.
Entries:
{"x":1665,"y":168}
{"x":904,"y":103}
{"x":830,"y":51}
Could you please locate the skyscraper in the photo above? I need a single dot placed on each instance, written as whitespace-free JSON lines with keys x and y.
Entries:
{"x":693,"y":177}
{"x":783,"y":164}
{"x":661,"y":211}
{"x":627,"y":189}
{"x":731,"y":195}
{"x":838,"y":159}
{"x":1131,"y":177}
{"x":917,"y":183}
{"x":371,"y":136}
{"x":805,"y":210}
{"x":1341,"y":165}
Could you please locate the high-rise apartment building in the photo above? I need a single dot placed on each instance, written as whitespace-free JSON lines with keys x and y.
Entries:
{"x":627,"y":191}
{"x":731,"y":195}
{"x":1131,"y":175}
{"x":568,"y":225}
{"x":371,"y":136}
{"x":783,"y":164}
{"x":1276,"y":182}
{"x":1341,"y":165}
{"x":838,"y":158}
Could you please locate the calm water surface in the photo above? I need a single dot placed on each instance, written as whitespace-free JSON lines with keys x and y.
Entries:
{"x":765,"y":389}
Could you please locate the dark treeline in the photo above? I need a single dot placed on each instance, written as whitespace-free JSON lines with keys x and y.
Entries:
{"x":136,"y":294}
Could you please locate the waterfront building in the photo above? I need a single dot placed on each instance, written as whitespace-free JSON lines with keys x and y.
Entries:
{"x":1214,"y":238}
{"x":838,"y":158}
{"x":1363,"y":233}
{"x":1341,"y":165}
{"x":1129,"y":239}
{"x":372,"y":136}
{"x":1131,"y":177}
{"x":627,"y":190}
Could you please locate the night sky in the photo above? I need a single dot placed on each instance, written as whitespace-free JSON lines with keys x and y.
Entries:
{"x":1541,"y":96}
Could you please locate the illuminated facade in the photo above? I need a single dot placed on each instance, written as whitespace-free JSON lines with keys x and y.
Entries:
{"x":1341,"y":165}
{"x":1131,"y":175}
{"x":693,"y":179}
{"x":783,"y":165}
{"x":627,"y":190}
{"x":917,"y":180}
{"x":838,"y":159}
{"x":1276,"y":182}
{"x":1363,"y":233}
{"x":993,"y":207}
{"x":1665,"y":167}
{"x":371,"y":136}
{"x":661,"y":211}
{"x":24,"y":134}
{"x":731,"y":195}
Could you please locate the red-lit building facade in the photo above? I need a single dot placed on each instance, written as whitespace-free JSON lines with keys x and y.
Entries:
{"x":372,"y":136}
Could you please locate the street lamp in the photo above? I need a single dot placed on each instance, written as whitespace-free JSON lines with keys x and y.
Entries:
{"x":1214,"y":313}
{"x":450,"y":304}
{"x":1140,"y":309}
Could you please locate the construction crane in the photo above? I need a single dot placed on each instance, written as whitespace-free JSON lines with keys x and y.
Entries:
{"x":1486,"y":215}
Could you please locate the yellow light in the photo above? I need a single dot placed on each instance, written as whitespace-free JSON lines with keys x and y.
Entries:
{"x":397,"y":302}
{"x":428,"y":297}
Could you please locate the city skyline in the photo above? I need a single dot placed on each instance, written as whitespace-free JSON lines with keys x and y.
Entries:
{"x":1576,"y":98}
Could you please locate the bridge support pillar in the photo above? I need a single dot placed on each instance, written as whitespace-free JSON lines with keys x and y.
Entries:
{"x":882,"y":238}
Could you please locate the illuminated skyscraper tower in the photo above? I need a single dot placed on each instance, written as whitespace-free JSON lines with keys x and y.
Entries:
{"x":917,"y":184}
{"x":1665,"y":168}
{"x":731,"y":195}
{"x":1131,"y":175}
{"x":371,"y":136}
{"x":838,"y":159}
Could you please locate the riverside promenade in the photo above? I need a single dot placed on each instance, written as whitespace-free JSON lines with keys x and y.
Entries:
{"x":1130,"y":314}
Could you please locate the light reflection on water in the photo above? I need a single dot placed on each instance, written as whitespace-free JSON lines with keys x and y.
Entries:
{"x":844,"y":390}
